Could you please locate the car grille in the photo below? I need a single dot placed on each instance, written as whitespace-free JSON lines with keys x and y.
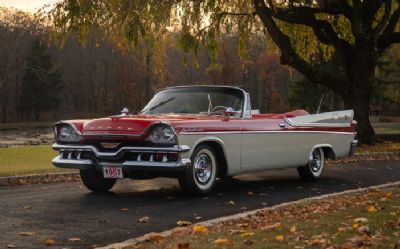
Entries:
{"x":122,"y":157}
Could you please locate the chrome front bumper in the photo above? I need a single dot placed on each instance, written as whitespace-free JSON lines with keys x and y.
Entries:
{"x":70,"y":157}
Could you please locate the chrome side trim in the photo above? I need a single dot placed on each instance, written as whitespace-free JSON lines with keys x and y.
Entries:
{"x":291,"y":123}
{"x":257,"y":132}
{"x":176,"y":148}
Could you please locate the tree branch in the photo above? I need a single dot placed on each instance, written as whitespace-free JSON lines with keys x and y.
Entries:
{"x":322,"y":29}
{"x":226,"y":13}
{"x":394,"y":21}
{"x":385,"y":19}
{"x":289,"y":56}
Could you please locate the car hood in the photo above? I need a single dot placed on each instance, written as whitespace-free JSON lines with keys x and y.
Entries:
{"x":136,"y":124}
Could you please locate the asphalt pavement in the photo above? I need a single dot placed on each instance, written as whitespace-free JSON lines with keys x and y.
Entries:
{"x":61,"y":211}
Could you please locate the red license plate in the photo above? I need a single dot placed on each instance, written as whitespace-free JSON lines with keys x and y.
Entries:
{"x":112,"y":172}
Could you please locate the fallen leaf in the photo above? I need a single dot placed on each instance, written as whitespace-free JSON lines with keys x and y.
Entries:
{"x":233,"y":232}
{"x":144,"y":219}
{"x":183,"y":223}
{"x":198,"y":218}
{"x":49,"y":242}
{"x":11,"y":246}
{"x":155,"y":237}
{"x":363,"y":229}
{"x":183,"y":245}
{"x":356,"y":225}
{"x":200,"y":229}
{"x":343,"y":229}
{"x":248,"y":242}
{"x":223,"y":242}
{"x":360,"y":220}
{"x":389,"y":195}
{"x":26,"y":233}
{"x":74,"y":239}
{"x":277,"y":226}
{"x":125,"y":209}
{"x":246,"y":234}
{"x":293,"y":229}
{"x":279,"y":237}
{"x":230,"y":203}
{"x":250,"y":193}
{"x":371,"y":209}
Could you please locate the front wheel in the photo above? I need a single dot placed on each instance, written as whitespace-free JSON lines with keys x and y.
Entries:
{"x":200,"y":177}
{"x":313,"y":169}
{"x":94,"y":181}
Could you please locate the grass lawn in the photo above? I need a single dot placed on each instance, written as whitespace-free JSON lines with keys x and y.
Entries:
{"x":27,"y":160}
{"x":369,"y":219}
{"x":387,"y":130}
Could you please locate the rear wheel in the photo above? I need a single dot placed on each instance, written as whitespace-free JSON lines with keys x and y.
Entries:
{"x":200,"y":177}
{"x":313,"y":169}
{"x":94,"y":181}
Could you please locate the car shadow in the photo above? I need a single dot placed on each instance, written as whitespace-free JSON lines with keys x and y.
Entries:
{"x":274,"y":186}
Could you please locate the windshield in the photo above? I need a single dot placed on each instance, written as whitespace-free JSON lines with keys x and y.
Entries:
{"x":196,"y":100}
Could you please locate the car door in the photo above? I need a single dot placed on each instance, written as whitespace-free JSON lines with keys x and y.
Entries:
{"x":264,"y":143}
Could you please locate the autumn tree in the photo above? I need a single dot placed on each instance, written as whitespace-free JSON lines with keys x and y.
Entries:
{"x":349,"y":34}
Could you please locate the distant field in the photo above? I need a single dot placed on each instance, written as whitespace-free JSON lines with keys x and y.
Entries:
{"x":27,"y":160}
{"x":30,"y":125}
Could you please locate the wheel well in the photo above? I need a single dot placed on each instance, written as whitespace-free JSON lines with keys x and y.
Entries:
{"x":329,"y":153}
{"x":220,"y":156}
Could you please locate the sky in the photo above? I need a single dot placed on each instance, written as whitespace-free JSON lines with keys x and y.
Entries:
{"x":26,"y":5}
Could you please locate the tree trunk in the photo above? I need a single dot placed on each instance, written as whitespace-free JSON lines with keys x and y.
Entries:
{"x":365,"y":132}
{"x":359,"y":93}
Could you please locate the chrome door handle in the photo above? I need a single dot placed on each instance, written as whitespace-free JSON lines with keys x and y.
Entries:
{"x":282,"y":125}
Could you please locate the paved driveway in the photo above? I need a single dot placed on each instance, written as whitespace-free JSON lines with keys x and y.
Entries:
{"x":66,"y":210}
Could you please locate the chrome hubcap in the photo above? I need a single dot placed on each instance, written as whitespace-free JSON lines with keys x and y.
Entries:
{"x":316,"y":162}
{"x":203,"y":168}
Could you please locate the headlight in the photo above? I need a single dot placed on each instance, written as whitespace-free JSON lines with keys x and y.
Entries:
{"x":66,"y":133}
{"x":161,"y":135}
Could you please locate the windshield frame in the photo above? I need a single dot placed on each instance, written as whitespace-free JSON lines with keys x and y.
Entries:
{"x":245,"y":113}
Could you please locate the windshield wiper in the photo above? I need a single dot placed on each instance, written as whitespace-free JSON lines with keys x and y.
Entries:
{"x":161,"y":103}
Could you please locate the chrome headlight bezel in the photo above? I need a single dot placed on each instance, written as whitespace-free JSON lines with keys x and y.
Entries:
{"x":162,"y":134}
{"x":66,"y":133}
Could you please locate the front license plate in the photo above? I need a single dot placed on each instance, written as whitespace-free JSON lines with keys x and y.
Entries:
{"x":112,"y":172}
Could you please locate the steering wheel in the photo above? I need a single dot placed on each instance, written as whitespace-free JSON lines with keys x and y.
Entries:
{"x":219,"y":108}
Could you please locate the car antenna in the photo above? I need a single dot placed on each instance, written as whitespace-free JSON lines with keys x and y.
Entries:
{"x":209,"y":104}
{"x":320,"y":103}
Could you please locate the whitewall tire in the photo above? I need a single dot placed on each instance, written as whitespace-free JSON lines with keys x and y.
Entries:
{"x":315,"y":166}
{"x":200,"y":177}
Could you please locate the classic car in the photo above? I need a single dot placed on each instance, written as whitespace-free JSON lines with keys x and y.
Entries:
{"x":199,"y":134}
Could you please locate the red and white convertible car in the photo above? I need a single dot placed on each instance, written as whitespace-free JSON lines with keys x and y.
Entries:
{"x":198,"y":134}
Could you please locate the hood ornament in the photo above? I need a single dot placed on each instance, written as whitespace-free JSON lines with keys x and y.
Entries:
{"x":125,"y":111}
